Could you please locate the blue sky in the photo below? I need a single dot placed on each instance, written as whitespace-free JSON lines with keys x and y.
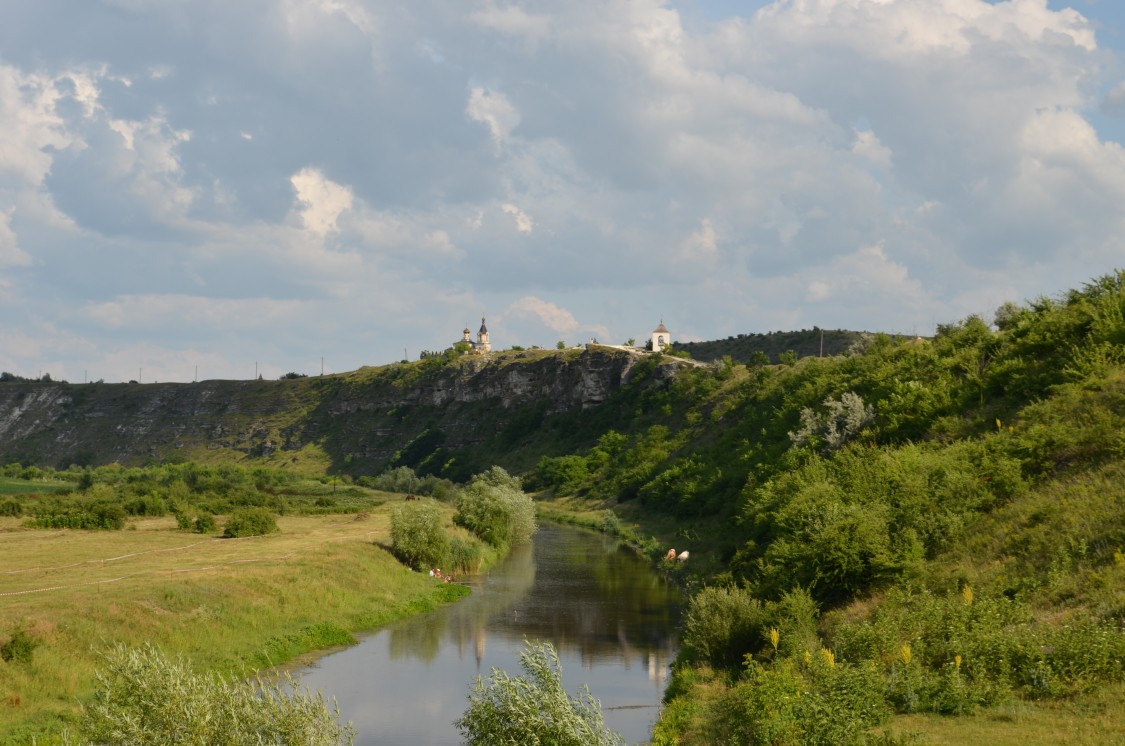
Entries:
{"x":228,"y":187}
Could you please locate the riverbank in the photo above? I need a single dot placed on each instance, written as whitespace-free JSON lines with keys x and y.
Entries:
{"x":1091,"y":716}
{"x":233,"y":606}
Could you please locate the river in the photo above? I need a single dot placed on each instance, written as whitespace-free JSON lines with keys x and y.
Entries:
{"x":612,"y":619}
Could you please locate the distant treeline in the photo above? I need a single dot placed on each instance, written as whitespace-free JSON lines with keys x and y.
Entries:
{"x":6,"y":377}
{"x":745,"y":348}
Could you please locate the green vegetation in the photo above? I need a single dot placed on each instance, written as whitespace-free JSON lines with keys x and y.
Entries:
{"x":533,"y":709}
{"x":494,"y":507}
{"x":418,"y":537}
{"x":228,"y":607}
{"x":926,"y":526}
{"x":765,"y":348}
{"x":144,"y":699}
{"x":248,"y":522}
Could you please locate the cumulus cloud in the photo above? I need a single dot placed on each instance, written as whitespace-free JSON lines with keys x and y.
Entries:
{"x":321,"y":200}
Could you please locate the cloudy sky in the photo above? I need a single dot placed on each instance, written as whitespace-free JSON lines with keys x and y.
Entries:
{"x":230,"y":186}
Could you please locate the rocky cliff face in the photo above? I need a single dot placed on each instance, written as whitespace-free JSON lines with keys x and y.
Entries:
{"x":366,"y":420}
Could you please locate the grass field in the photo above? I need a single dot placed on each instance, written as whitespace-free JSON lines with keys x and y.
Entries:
{"x":10,"y":486}
{"x":230,"y":605}
{"x":1094,"y":719}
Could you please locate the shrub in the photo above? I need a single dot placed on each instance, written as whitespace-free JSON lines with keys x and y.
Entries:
{"x":19,"y":647}
{"x":722,"y":625}
{"x":143,"y":697}
{"x":204,"y":524}
{"x":418,"y":537}
{"x":11,"y":508}
{"x":534,"y":708}
{"x":250,"y":522}
{"x":495,"y":508}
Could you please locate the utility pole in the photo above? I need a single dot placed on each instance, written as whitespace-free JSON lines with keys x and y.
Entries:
{"x":322,"y":365}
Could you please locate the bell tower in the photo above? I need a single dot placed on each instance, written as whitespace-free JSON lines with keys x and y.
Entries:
{"x":482,"y":338}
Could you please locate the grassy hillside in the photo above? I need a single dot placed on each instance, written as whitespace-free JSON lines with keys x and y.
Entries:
{"x":930,"y":526}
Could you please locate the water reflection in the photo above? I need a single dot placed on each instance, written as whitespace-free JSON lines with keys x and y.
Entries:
{"x":611,"y":618}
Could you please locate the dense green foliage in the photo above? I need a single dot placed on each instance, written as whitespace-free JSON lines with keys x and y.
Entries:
{"x":250,"y":522}
{"x":418,"y":537}
{"x":745,"y":348}
{"x":19,"y":647}
{"x":534,"y":709}
{"x":145,"y":698}
{"x":494,"y":507}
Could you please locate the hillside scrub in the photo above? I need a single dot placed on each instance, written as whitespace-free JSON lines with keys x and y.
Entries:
{"x":950,"y":509}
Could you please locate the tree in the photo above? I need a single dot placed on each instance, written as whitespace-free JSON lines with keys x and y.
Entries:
{"x":495,"y":508}
{"x":145,"y":699}
{"x":561,"y":345}
{"x":417,"y":534}
{"x":534,"y":709}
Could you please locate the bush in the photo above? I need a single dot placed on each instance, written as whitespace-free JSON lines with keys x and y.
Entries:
{"x":722,"y":625}
{"x":19,"y":647}
{"x":143,"y":698}
{"x":250,"y":522}
{"x":418,"y":537}
{"x":495,"y":508}
{"x":204,"y":524}
{"x":11,"y":508}
{"x":533,"y":709}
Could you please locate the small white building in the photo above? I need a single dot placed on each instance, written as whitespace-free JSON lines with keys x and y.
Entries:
{"x":661,"y":337}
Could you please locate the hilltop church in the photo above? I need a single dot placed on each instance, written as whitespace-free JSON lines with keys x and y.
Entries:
{"x":482,"y":344}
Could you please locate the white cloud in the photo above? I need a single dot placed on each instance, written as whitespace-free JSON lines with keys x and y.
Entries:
{"x":554,"y":317}
{"x":494,"y":110}
{"x":321,"y":200}
{"x":523,"y":221}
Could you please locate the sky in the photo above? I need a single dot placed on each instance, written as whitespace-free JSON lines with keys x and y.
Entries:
{"x":213,"y":189}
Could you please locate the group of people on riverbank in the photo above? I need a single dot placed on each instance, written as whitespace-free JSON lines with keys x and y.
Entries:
{"x":436,"y":573}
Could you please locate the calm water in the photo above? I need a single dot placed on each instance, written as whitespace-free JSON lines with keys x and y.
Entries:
{"x":611,"y":618}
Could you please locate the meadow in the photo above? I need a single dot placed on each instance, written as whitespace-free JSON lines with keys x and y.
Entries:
{"x":228,"y":605}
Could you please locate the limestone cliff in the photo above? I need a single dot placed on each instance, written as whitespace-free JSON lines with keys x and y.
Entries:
{"x":429,"y":413}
